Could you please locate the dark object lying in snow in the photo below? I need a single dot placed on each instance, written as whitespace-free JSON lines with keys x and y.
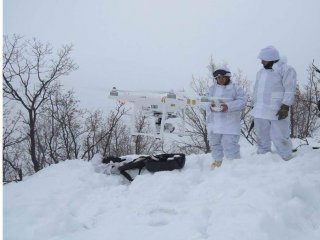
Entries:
{"x":153,"y":163}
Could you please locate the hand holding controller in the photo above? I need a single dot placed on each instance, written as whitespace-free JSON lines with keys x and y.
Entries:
{"x":215,"y":108}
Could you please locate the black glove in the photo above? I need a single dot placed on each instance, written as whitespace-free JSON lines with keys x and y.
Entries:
{"x":283,"y":112}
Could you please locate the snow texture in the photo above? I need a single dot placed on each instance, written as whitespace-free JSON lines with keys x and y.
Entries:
{"x":256,"y":197}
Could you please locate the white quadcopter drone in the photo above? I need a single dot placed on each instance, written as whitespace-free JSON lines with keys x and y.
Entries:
{"x":161,"y":108}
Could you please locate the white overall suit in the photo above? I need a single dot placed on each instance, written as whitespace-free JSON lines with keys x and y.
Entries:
{"x":273,"y":87}
{"x":224,"y":127}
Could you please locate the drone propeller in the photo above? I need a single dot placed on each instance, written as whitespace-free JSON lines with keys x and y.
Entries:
{"x":139,"y":91}
{"x":212,"y":99}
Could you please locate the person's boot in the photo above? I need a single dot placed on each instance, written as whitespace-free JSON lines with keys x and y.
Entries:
{"x":216,"y":164}
{"x":287,"y":158}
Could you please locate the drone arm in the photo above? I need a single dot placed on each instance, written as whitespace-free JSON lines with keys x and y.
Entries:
{"x":206,"y":105}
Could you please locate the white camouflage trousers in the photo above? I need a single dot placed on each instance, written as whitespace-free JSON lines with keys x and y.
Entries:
{"x":224,"y":145}
{"x":276,"y":131}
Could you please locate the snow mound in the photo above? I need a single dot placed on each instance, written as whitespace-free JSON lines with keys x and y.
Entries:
{"x":256,"y":197}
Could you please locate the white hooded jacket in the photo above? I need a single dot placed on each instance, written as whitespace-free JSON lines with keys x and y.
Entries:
{"x":273,"y":87}
{"x":226,"y":122}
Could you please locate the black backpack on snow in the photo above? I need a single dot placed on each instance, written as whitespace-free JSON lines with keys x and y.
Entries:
{"x":153,"y":163}
{"x":110,"y":159}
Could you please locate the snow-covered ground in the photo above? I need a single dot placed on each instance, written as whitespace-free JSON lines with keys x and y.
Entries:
{"x":257,"y":197}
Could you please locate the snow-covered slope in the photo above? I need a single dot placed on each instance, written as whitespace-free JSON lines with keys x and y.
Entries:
{"x":257,"y":197}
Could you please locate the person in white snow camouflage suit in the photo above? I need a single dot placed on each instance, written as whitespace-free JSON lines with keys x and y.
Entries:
{"x":273,"y":95}
{"x":223,"y":117}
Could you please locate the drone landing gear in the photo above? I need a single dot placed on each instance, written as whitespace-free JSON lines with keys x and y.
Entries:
{"x":168,"y":127}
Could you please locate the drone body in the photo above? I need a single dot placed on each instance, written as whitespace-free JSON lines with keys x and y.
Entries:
{"x":163,"y":109}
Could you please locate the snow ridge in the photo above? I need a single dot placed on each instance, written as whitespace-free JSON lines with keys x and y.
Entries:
{"x":256,"y":197}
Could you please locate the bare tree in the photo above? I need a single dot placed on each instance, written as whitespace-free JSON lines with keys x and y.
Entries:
{"x":11,"y":141}
{"x":60,"y":127}
{"x":196,"y":140}
{"x":246,"y":119}
{"x":304,"y":112}
{"x":144,"y":144}
{"x":197,"y":133}
{"x":29,"y":70}
{"x":121,"y":141}
{"x":99,"y":131}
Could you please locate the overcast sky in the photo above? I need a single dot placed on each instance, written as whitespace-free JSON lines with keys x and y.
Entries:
{"x":161,"y":44}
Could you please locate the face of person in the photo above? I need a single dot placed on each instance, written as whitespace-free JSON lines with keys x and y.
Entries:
{"x":222,"y":80}
{"x":264,"y":62}
{"x":267,"y":64}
